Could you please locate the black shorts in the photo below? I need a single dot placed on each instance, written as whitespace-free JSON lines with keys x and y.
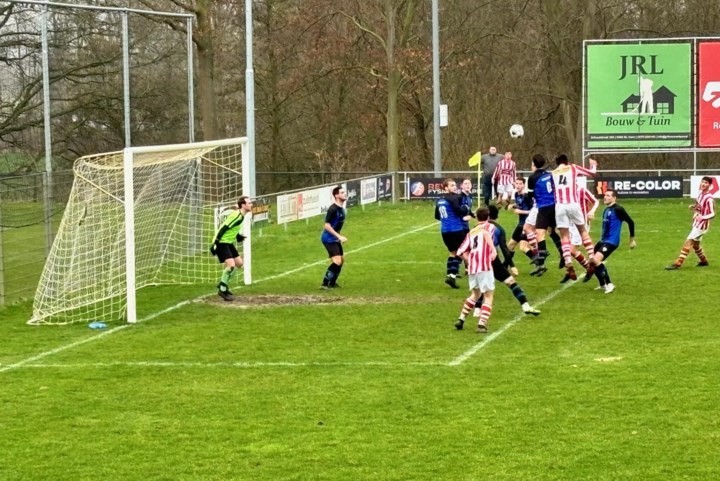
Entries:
{"x":334,"y":249}
{"x":546,"y":218}
{"x":518,"y":234}
{"x":453,"y":240}
{"x":499,"y":271}
{"x":605,"y":249}
{"x":226,"y":251}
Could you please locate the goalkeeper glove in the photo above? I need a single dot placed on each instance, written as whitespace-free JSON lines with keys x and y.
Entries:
{"x":213,"y":248}
{"x":240,"y":238}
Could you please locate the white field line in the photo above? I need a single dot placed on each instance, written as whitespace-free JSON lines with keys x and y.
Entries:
{"x":495,"y":334}
{"x":230,"y":364}
{"x":72,"y":345}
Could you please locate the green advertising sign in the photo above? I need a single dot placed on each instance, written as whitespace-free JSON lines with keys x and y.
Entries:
{"x":638,"y":95}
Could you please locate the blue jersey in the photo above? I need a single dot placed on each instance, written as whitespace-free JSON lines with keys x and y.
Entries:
{"x":522,"y":202}
{"x":542,"y":187}
{"x":613,"y":217}
{"x":449,"y":211}
{"x":466,"y":201}
{"x":336,"y":218}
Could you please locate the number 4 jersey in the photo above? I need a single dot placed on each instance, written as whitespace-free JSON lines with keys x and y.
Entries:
{"x":565,"y":179}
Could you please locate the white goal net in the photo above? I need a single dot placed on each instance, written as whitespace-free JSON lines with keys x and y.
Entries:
{"x":106,"y":248}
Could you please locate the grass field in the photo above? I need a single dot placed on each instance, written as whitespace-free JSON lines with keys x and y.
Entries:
{"x":371,"y":381}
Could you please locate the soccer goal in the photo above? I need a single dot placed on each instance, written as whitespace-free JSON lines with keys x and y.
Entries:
{"x":139,"y":217}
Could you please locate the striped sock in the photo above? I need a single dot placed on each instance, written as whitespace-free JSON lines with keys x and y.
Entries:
{"x":581,"y":259}
{"x":589,"y":248}
{"x":682,"y":256}
{"x":468,"y":306}
{"x":700,"y":254}
{"x":485,"y":312}
{"x":566,"y":252}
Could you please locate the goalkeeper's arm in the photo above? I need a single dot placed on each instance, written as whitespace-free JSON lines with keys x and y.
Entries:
{"x":213,"y":247}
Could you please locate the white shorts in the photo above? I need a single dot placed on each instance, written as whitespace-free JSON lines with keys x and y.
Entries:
{"x":568,"y":214}
{"x":485,"y":281}
{"x":506,"y":190}
{"x":532,"y":217}
{"x":696,"y":234}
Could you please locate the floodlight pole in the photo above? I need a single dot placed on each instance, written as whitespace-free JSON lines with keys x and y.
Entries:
{"x":248,"y":178}
{"x":437,"y":164}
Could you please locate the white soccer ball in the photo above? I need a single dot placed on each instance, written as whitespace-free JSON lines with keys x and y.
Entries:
{"x":516,"y":131}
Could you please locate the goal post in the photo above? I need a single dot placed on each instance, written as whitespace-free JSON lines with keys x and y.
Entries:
{"x":142,"y":216}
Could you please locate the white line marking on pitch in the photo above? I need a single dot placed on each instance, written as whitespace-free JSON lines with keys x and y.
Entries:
{"x":495,"y":334}
{"x":237,"y":364}
{"x":45,"y":354}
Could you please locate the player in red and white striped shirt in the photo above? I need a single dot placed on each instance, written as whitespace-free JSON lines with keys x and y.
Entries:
{"x":504,"y":178}
{"x":478,"y":251}
{"x":704,"y":210}
{"x":567,"y":207}
{"x":589,"y":204}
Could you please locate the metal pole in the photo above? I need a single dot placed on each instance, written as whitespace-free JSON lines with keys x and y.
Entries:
{"x":250,"y":98}
{"x":191,"y":89}
{"x":2,"y":265}
{"x":437,"y":164}
{"x":248,"y":181}
{"x":126,"y":78}
{"x":47,"y":177}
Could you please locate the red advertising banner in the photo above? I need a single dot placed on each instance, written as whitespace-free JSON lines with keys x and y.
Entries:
{"x":709,"y":94}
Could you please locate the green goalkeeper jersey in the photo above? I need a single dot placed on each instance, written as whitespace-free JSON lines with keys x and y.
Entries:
{"x":230,"y":228}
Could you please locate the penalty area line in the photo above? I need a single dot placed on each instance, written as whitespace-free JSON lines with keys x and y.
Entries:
{"x":494,"y":335}
{"x":75,"y":344}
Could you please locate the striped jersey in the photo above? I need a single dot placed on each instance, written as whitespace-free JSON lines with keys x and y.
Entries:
{"x":505,"y":172}
{"x":704,"y":209}
{"x":587,"y":201}
{"x":478,"y":248}
{"x":565,"y":179}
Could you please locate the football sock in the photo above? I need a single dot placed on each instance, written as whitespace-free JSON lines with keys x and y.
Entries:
{"x":683,"y":255}
{"x":557,"y":241}
{"x":453,"y":265}
{"x":485,"y":312}
{"x":532,"y":241}
{"x":331,"y":274}
{"x":581,"y":259}
{"x":589,"y":248}
{"x":700,"y":253}
{"x":607,"y":276}
{"x":529,"y":254}
{"x":542,"y":252}
{"x":518,"y":293}
{"x":565,"y":246}
{"x":600,"y":272}
{"x":479,"y":302}
{"x":468,"y":306}
{"x":337,"y":272}
{"x":225,"y":279}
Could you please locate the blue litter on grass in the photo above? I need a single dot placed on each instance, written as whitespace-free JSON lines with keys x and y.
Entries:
{"x":97,"y":325}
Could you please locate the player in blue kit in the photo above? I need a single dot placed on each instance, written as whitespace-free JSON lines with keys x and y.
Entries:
{"x":450,"y":211}
{"x":541,"y":187}
{"x":613,"y":217}
{"x":332,"y":239}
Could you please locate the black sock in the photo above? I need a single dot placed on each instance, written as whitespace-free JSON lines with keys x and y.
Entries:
{"x":600,"y":273}
{"x":331,"y":274}
{"x":556,"y":240}
{"x":337,"y":273}
{"x":518,"y":293}
{"x":453,"y":265}
{"x":542,"y":252}
{"x":478,"y":303}
{"x":529,"y":254}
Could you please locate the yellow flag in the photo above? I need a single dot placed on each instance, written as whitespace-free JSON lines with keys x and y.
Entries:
{"x":475,"y":159}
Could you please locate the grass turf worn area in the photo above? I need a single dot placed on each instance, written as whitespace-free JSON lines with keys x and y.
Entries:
{"x":371,"y":381}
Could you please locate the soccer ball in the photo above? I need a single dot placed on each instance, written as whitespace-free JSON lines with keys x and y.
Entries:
{"x":516,"y":131}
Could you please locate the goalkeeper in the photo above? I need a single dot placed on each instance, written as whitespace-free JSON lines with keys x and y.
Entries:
{"x":224,"y":248}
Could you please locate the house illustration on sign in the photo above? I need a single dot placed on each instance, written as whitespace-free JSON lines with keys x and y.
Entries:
{"x":663,"y":101}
